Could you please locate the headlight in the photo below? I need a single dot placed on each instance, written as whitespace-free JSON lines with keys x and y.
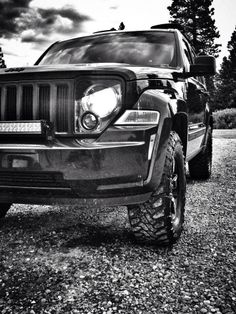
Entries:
{"x":101,"y":100}
{"x":97,"y":105}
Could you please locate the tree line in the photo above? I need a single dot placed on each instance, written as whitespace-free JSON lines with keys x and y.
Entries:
{"x":197,"y":20}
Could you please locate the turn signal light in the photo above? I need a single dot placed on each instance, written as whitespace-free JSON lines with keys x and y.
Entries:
{"x":139,"y":117}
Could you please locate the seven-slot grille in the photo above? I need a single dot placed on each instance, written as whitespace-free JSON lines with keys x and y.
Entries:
{"x":37,"y":101}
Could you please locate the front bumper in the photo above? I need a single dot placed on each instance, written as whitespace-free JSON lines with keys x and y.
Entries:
{"x":83,"y":172}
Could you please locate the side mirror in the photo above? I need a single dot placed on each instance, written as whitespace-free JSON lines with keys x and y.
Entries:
{"x":203,"y":65}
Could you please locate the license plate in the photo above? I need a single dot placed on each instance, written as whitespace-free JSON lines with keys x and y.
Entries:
{"x":19,"y":163}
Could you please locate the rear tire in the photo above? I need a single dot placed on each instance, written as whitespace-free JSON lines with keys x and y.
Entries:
{"x":200,"y":166}
{"x":4,"y":207}
{"x":160,"y":219}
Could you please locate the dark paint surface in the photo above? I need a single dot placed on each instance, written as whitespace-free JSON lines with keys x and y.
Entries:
{"x":112,"y":166}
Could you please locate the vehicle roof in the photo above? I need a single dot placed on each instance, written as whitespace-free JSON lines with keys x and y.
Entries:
{"x":104,"y":32}
{"x":138,"y":30}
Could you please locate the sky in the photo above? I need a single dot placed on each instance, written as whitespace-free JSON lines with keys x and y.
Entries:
{"x":28,"y":27}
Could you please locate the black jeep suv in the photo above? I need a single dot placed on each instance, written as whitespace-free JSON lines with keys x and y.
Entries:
{"x":109,"y":119}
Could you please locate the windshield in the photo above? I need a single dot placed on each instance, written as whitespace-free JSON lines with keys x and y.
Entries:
{"x":135,"y":48}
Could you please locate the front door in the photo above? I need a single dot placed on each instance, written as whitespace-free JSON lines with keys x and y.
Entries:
{"x":196,"y":101}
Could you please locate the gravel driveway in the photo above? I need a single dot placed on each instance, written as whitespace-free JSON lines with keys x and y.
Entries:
{"x":69,"y":260}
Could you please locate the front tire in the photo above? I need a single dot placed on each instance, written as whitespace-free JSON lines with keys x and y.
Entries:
{"x":4,"y":207}
{"x":160,"y":219}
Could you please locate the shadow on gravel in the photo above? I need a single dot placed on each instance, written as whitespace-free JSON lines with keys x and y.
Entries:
{"x":95,"y":236}
{"x":191,"y":181}
{"x":65,"y":230}
{"x":114,"y":241}
{"x":54,"y":220}
{"x":114,"y":238}
{"x":26,"y":222}
{"x":68,"y":230}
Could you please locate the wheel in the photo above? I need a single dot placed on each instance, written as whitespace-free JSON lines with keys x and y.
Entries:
{"x":4,"y":207}
{"x":200,"y":166}
{"x":160,"y":219}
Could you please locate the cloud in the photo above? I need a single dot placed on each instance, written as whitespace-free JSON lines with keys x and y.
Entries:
{"x":10,"y":10}
{"x":114,"y":7}
{"x":31,"y":36}
{"x":35,"y":25}
{"x":65,"y":20}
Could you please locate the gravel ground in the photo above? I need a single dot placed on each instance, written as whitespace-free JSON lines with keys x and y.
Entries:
{"x":70,"y":260}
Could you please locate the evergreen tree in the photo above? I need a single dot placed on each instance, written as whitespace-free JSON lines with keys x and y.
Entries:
{"x":225,"y":96}
{"x":196,"y":18}
{"x":232,"y":54}
{"x":2,"y":62}
{"x":225,"y":71}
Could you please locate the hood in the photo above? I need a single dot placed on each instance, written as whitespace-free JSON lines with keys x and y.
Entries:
{"x":129,"y":72}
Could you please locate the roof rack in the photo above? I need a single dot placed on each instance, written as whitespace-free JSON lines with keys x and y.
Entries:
{"x":168,"y":25}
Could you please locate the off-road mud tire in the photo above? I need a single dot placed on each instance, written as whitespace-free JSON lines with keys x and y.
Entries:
{"x":156,"y":221}
{"x":4,"y":207}
{"x":200,"y":166}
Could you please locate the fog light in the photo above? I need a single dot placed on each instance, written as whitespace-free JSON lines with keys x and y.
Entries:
{"x":89,"y":121}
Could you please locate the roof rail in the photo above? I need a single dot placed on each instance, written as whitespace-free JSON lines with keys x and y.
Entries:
{"x":105,"y":30}
{"x":168,"y":25}
{"x":120,"y":28}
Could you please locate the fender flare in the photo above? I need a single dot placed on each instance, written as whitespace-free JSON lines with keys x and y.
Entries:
{"x":180,"y":126}
{"x":157,"y":100}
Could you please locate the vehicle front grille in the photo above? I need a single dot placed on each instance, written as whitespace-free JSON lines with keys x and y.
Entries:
{"x":32,"y":179}
{"x":37,"y":101}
